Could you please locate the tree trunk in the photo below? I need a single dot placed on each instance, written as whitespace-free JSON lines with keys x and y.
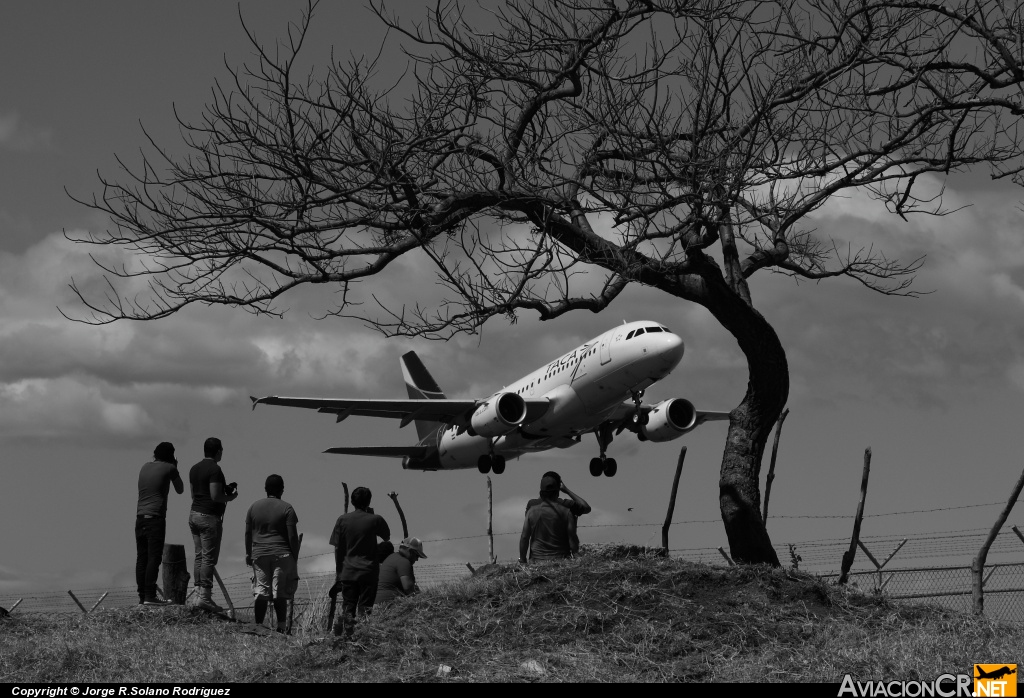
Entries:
{"x":750,"y":425}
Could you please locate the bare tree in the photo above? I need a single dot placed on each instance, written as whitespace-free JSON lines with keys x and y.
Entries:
{"x":545,"y":155}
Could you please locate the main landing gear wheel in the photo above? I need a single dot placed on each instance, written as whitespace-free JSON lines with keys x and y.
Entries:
{"x":610,"y":467}
{"x":491,"y":464}
{"x":596,"y":467}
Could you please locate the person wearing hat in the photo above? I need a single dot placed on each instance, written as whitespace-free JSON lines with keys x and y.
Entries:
{"x":355,"y":559}
{"x":396,"y":575}
{"x":155,"y":481}
{"x":272,"y":551}
{"x":549,"y":531}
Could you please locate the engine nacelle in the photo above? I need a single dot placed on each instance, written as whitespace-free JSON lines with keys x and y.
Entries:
{"x":501,"y":414}
{"x":670,"y":420}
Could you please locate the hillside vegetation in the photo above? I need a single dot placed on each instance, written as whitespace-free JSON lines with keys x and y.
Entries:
{"x":612,"y":615}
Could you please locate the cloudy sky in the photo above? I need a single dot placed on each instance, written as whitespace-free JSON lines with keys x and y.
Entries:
{"x":934,"y":385}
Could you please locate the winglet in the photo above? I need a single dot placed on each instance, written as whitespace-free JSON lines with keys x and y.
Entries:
{"x":255,"y":401}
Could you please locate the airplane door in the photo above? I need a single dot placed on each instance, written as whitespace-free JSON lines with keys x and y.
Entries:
{"x":605,"y":351}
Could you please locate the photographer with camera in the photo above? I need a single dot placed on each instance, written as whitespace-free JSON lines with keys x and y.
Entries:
{"x":155,"y":480}
{"x":210,"y":495}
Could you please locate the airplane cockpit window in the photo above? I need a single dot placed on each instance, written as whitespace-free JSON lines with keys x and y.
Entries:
{"x":630,"y":335}
{"x":653,"y":329}
{"x":665,"y":329}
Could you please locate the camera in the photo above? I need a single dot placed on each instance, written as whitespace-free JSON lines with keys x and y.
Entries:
{"x":231,"y":488}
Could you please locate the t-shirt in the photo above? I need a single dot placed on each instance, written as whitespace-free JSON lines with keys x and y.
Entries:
{"x":154,"y":484}
{"x":548,"y":527}
{"x":570,"y":504}
{"x":355,"y":534}
{"x":199,"y":477}
{"x":268,"y":525}
{"x":389,"y":584}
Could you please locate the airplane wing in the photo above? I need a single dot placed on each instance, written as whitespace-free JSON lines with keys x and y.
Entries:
{"x":444,"y":410}
{"x":711,"y":417}
{"x":383,"y":451}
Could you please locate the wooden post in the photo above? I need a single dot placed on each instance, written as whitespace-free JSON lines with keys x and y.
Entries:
{"x":224,"y":590}
{"x":401,"y":514}
{"x":726,"y":556}
{"x":771,"y":468}
{"x":978,"y":564}
{"x":99,"y":601}
{"x":852,"y":552}
{"x":175,"y":574}
{"x":344,"y":486}
{"x":672,"y":499}
{"x":75,"y":599}
{"x":490,"y":530}
{"x":291,"y":600}
{"x":15,"y":605}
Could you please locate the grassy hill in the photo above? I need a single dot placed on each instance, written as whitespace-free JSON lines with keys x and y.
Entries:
{"x":609,"y":616}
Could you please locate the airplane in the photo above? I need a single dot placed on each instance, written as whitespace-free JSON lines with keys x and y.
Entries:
{"x":597,"y":388}
{"x":996,"y":674}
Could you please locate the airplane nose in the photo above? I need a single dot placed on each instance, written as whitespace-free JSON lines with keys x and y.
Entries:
{"x":672,"y":348}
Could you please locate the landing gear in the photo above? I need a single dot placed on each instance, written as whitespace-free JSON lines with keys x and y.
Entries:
{"x":486,"y":464}
{"x":640,"y":418}
{"x":603,"y":465}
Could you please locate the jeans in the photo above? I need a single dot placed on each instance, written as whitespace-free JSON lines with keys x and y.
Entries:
{"x":149,"y":549}
{"x":357,"y":596}
{"x":207,"y":530}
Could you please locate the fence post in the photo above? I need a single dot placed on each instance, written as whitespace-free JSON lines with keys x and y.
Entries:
{"x":224,"y":590}
{"x":344,"y":486}
{"x":175,"y":573}
{"x":879,"y":565}
{"x":75,"y":599}
{"x":726,"y":556}
{"x":401,"y":514}
{"x":771,"y":468}
{"x":852,"y":552}
{"x":99,"y":601}
{"x":672,"y":500}
{"x":15,"y":605}
{"x":978,"y":564}
{"x":291,"y":599}
{"x":490,"y":520}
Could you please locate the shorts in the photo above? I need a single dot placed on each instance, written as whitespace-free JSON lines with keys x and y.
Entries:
{"x":275,"y":576}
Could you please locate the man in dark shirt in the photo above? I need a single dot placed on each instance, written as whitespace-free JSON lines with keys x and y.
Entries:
{"x":272,"y":550}
{"x":155,"y":480}
{"x":549,"y":531}
{"x":576,"y":505}
{"x":396,"y":575}
{"x":210,"y":496}
{"x":355,"y":558}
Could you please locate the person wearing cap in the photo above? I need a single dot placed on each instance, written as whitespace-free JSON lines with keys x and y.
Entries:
{"x":549,"y":531}
{"x":155,"y":481}
{"x":272,"y":551}
{"x":355,"y":559}
{"x":396,"y":575}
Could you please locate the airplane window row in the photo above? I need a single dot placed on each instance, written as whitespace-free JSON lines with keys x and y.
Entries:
{"x":637,"y":333}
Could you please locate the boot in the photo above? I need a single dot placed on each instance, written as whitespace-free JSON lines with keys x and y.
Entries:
{"x":206,"y":600}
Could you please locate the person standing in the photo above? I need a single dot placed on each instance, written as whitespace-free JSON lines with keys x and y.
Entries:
{"x":396,"y":575}
{"x":576,"y":504}
{"x":210,"y":495}
{"x":272,"y":551}
{"x":549,"y":531}
{"x":155,"y":481}
{"x":355,"y":559}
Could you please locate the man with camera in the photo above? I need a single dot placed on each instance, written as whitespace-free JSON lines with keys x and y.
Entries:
{"x":210,"y":495}
{"x":155,"y":480}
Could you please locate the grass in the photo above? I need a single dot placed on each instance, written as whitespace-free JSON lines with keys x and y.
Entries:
{"x":612,"y":615}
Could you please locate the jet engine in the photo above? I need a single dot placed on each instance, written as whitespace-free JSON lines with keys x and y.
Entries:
{"x":670,"y":420}
{"x":501,"y":414}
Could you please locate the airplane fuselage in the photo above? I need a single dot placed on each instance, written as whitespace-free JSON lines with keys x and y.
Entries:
{"x":586,"y":387}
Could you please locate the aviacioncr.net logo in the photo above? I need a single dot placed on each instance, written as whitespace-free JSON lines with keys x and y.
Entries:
{"x":946,"y":686}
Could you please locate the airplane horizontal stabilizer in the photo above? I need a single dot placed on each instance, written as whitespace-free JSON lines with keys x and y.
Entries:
{"x":383,"y":451}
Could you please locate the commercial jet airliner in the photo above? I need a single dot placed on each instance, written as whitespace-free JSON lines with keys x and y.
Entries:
{"x":596,"y":388}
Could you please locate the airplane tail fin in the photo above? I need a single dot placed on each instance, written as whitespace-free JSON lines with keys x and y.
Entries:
{"x":421,"y":386}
